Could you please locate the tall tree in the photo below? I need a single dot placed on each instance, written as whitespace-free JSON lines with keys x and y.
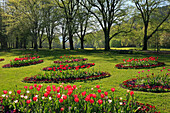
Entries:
{"x":147,"y":9}
{"x":108,"y":13}
{"x":70,"y":8}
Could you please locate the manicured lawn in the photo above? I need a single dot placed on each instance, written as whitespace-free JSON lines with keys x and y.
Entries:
{"x":105,"y":61}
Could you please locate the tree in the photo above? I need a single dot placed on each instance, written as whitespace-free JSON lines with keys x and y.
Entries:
{"x":70,"y":8}
{"x":108,"y":13}
{"x":147,"y":8}
{"x":83,"y":21}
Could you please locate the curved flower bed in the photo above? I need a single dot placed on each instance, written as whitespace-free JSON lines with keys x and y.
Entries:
{"x":67,"y":76}
{"x":70,"y":99}
{"x":2,"y":59}
{"x":72,"y":60}
{"x":151,"y":83}
{"x":68,"y":67}
{"x":140,"y":63}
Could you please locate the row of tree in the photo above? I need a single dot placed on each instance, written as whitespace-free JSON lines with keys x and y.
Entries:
{"x":36,"y":21}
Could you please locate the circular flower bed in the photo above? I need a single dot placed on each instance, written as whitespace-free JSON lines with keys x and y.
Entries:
{"x":69,"y":76}
{"x":70,"y":59}
{"x":68,"y":66}
{"x":152,"y":82}
{"x":2,"y":59}
{"x":140,"y":63}
{"x":70,"y":99}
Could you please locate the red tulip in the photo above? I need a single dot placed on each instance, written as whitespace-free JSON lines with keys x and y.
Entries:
{"x":106,"y":93}
{"x":76,"y":99}
{"x":131,"y":93}
{"x":58,"y":96}
{"x":99,"y":90}
{"x":25,"y":87}
{"x":5,"y":91}
{"x":34,"y":98}
{"x":91,"y":101}
{"x":28,"y":101}
{"x":35,"y":85}
{"x":64,"y":97}
{"x":102,"y":95}
{"x":60,"y":100}
{"x":83,"y":93}
{"x":94,"y":95}
{"x":100,"y":101}
{"x":19,"y":91}
{"x":112,"y":89}
{"x":38,"y":89}
{"x":98,"y":86}
{"x":62,"y":109}
{"x":31,"y":87}
{"x":46,"y":94}
{"x":74,"y":86}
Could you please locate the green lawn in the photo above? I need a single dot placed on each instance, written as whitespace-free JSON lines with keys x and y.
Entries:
{"x":105,"y":61}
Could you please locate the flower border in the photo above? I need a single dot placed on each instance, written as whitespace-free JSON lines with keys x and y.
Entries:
{"x":68,"y":68}
{"x":145,"y":88}
{"x":120,"y":66}
{"x":103,"y":75}
{"x":20,"y":65}
{"x":70,"y":61}
{"x":2,"y":59}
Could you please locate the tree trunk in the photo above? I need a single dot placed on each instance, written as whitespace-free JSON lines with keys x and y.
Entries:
{"x":64,"y":47}
{"x":82,"y":42}
{"x":17,"y":42}
{"x":107,"y":46}
{"x":71,"y":41}
{"x":32,"y":44}
{"x":145,"y":40}
{"x":50,"y":44}
{"x":35,"y":44}
{"x":25,"y":43}
{"x":40,"y":43}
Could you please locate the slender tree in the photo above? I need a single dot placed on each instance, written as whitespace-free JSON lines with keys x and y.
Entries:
{"x":147,"y":8}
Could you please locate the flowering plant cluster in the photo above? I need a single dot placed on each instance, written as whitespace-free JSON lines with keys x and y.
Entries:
{"x":67,"y":76}
{"x":70,"y":59}
{"x":147,"y":62}
{"x":2,"y":59}
{"x":23,"y":61}
{"x":29,"y":55}
{"x":69,"y":99}
{"x":152,"y":82}
{"x":65,"y":66}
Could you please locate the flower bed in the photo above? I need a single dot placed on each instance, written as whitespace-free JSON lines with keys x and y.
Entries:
{"x":70,"y":59}
{"x":140,"y":63}
{"x":70,"y":99}
{"x":66,"y":66}
{"x":2,"y":59}
{"x":67,"y":76}
{"x":152,"y":82}
{"x":23,"y":61}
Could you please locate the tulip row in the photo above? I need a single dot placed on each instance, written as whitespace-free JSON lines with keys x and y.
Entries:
{"x":140,"y":63}
{"x":68,"y":99}
{"x":67,"y":76}
{"x":66,"y":66}
{"x":72,"y":60}
{"x":2,"y":59}
{"x":29,"y":55}
{"x":153,"y":82}
{"x":23,"y":63}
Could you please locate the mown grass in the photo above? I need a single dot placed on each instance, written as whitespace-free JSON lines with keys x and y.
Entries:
{"x":11,"y":78}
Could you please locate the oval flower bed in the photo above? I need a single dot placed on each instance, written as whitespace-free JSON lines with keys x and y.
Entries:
{"x":153,"y":82}
{"x":70,"y":59}
{"x":70,"y":99}
{"x":2,"y":59}
{"x":67,"y":76}
{"x":68,"y":66}
{"x":18,"y":62}
{"x":140,"y":63}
